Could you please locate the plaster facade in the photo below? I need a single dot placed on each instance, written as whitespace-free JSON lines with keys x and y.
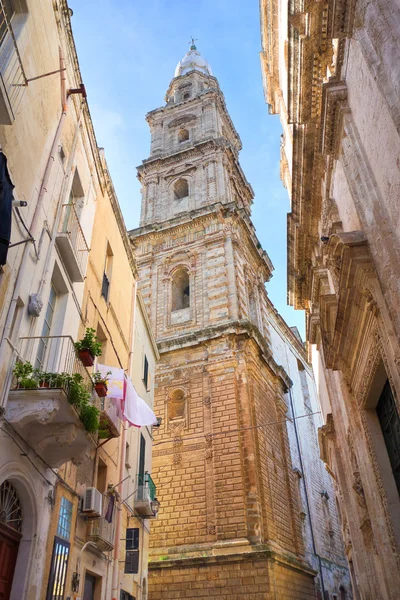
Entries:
{"x":76,"y":259}
{"x":230,"y":523}
{"x":330,"y":72}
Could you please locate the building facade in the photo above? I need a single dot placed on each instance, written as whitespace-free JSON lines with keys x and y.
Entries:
{"x":330,"y":72}
{"x":68,"y":526}
{"x":233,"y":522}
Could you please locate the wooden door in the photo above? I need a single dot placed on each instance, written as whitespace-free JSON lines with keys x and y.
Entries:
{"x":90,"y":584}
{"x":9,"y":542}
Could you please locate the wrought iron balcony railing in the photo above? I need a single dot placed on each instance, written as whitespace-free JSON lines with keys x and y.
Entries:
{"x":13,"y":81}
{"x":72,"y":244}
{"x":54,"y":362}
{"x":100,"y":531}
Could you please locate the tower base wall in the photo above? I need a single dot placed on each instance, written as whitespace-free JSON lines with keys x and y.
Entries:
{"x":254,"y":575}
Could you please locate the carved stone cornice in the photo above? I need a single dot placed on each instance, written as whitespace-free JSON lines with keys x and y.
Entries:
{"x":342,"y":313}
{"x":334,"y":104}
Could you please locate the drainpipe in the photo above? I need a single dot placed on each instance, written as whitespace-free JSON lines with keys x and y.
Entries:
{"x":117,"y":542}
{"x":306,"y":494}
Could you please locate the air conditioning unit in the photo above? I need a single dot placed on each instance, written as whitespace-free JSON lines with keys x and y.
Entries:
{"x":92,"y":501}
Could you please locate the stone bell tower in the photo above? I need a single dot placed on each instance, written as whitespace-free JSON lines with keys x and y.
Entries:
{"x":229,"y":523}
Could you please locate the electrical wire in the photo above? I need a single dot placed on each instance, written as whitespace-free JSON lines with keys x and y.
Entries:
{"x":59,"y":478}
{"x":229,"y":432}
{"x":27,"y":230}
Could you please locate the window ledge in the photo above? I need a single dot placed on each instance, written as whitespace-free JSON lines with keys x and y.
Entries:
{"x":180,"y":316}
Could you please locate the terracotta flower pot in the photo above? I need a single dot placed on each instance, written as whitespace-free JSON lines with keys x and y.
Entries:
{"x":44,"y":384}
{"x":86,"y":357}
{"x":101,"y":389}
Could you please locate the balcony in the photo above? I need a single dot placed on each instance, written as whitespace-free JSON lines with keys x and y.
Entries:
{"x":71,"y":244}
{"x":100,"y":531}
{"x":13,"y":81}
{"x":46,"y":407}
{"x":146,"y":503}
{"x":110,"y":423}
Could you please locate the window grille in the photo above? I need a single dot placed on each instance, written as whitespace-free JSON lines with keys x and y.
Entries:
{"x":58,"y":569}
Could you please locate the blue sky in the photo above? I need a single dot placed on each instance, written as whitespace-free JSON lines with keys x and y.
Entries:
{"x":128,"y":51}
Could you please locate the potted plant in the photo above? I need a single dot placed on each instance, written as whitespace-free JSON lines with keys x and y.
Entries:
{"x":42,"y":378}
{"x":100,"y":383}
{"x":88,"y":347}
{"x":23,"y":372}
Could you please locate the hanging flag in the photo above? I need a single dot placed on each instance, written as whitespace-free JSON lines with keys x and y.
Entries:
{"x":136,"y":411}
{"x":115,"y":381}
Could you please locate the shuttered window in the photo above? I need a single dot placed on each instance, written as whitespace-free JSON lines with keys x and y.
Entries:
{"x":132,"y":550}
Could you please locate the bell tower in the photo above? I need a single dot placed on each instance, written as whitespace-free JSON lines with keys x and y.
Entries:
{"x":229,"y":522}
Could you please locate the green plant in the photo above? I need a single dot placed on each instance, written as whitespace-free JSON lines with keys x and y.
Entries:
{"x":100,"y":378}
{"x":103,"y":434}
{"x":89,"y":415}
{"x":78,"y":395}
{"x":22,"y":369}
{"x":28,"y":383}
{"x":90,"y":342}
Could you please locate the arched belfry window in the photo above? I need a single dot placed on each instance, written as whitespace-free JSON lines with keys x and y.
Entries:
{"x":180,"y":290}
{"x":181,"y":189}
{"x":183,"y":135}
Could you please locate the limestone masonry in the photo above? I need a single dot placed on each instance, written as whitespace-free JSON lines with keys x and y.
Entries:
{"x":247,"y":508}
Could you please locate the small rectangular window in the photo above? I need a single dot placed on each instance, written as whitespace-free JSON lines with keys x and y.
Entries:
{"x":132,"y":562}
{"x":132,"y":539}
{"x":146,"y":372}
{"x":105,"y":288}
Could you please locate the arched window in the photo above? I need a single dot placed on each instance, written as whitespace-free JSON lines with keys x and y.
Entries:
{"x":183,"y":135}
{"x":342,"y":591}
{"x":181,"y":189}
{"x":176,"y":405}
{"x":180,"y":290}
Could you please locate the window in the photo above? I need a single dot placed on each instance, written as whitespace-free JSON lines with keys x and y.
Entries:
{"x":127,"y":456}
{"x":342,"y":592}
{"x":183,"y":135}
{"x":181,"y":189}
{"x":126,"y":596}
{"x":46,"y":329}
{"x":186,"y":95}
{"x":60,"y":556}
{"x":390,"y":424}
{"x":146,"y":373}
{"x":180,"y":290}
{"x":105,"y":287}
{"x":101,"y":483}
{"x":132,"y":550}
{"x":142,"y":461}
{"x":64,"y":519}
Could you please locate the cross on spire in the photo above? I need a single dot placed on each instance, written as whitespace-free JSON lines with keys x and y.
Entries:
{"x":192,"y":42}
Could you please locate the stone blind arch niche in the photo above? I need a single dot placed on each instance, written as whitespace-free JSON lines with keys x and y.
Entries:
{"x":177,"y":409}
{"x":180,"y":189}
{"x":183,"y":135}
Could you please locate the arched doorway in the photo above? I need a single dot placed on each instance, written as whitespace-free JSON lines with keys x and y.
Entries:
{"x":10,"y":535}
